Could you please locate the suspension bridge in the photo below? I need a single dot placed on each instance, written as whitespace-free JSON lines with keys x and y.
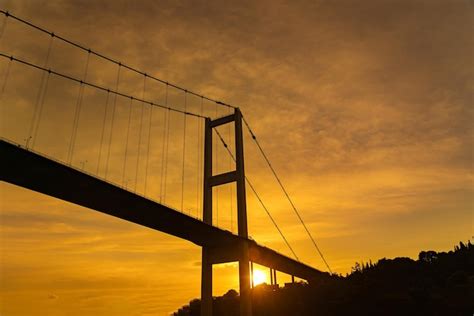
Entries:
{"x":115,"y":139}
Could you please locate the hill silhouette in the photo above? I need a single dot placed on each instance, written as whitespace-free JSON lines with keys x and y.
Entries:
{"x":438,"y":283}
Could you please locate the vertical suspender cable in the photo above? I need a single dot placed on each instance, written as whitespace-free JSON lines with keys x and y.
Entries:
{"x":103,"y":130}
{"x":3,"y":27}
{"x":198,"y":140}
{"x":74,"y":124}
{"x":201,"y":155}
{"x":40,"y":111}
{"x":217,"y":172}
{"x":163,"y":143}
{"x":163,"y":147}
{"x":140,"y":133}
{"x":112,"y":123}
{"x":198,"y":169}
{"x":78,"y":112}
{"x":148,"y":148}
{"x":126,"y":142}
{"x":7,"y":73}
{"x":168,"y":122}
{"x":184,"y":152}
{"x":40,"y":92}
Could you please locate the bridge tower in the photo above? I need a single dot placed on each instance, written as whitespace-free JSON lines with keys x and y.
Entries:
{"x":210,"y":180}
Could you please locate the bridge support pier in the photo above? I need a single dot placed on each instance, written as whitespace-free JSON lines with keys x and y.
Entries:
{"x":206,"y":283}
{"x":244,"y":282}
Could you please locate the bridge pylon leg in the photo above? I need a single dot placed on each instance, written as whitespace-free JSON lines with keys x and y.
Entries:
{"x":244,"y":269}
{"x":206,"y":264}
{"x":206,"y":284}
{"x":244,"y":282}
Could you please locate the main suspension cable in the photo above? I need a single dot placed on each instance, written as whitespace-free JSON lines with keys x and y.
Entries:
{"x":135,"y":70}
{"x":93,"y":85}
{"x":7,"y":14}
{"x":258,"y":197}
{"x":286,"y":194}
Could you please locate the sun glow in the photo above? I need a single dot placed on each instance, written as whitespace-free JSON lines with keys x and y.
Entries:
{"x":259,"y":277}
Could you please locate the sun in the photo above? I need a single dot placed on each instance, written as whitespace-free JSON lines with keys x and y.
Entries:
{"x":259,"y":277}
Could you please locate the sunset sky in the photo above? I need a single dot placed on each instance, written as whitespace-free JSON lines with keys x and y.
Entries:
{"x":364,"y":108}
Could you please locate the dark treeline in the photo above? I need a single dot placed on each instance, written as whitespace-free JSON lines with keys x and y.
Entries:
{"x":438,"y":283}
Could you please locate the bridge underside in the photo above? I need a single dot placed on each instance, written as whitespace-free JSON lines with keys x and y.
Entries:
{"x":38,"y":173}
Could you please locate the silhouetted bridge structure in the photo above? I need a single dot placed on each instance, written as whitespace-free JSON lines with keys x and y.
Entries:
{"x":41,"y":174}
{"x":26,"y":167}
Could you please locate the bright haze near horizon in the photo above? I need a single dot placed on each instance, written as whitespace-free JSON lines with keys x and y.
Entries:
{"x":363,"y":107}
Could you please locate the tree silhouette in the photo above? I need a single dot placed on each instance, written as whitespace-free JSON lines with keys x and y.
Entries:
{"x":438,"y":283}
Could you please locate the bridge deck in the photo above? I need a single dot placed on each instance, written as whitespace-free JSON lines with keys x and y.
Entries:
{"x":38,"y":173}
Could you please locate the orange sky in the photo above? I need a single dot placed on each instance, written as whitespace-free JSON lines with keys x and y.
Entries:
{"x":364,"y":108}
